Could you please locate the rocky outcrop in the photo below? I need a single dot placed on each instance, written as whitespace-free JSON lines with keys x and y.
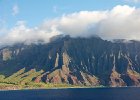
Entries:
{"x":116,"y":80}
{"x":6,"y":54}
{"x":89,"y":80}
{"x":132,"y":78}
{"x":56,"y":60}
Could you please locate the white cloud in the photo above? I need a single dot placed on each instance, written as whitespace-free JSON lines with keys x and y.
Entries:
{"x":121,"y":22}
{"x":22,"y":34}
{"x":15,"y":10}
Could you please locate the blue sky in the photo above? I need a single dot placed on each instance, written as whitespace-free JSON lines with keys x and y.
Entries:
{"x":35,"y":11}
{"x":29,"y":21}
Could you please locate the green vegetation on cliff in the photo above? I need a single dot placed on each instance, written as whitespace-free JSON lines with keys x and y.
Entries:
{"x":26,"y":80}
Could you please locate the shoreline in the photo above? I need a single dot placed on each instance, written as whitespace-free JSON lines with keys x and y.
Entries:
{"x":58,"y":88}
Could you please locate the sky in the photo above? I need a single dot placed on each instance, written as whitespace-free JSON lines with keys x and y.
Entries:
{"x":33,"y":20}
{"x":35,"y":11}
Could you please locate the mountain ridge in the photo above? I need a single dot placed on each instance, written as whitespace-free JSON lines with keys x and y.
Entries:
{"x":78,"y":61}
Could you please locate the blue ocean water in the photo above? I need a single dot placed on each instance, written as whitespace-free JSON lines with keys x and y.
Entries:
{"x":127,"y":93}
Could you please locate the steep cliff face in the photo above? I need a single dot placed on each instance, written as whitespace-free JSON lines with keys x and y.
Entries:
{"x":79,"y":61}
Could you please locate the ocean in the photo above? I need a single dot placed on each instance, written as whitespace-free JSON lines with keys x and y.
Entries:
{"x":125,"y":93}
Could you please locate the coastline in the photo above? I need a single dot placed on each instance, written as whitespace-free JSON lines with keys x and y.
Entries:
{"x":34,"y":88}
{"x":53,"y":88}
